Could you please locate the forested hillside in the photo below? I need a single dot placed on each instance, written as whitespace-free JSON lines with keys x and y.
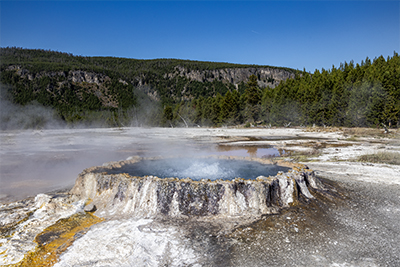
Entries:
{"x":170,"y":92}
{"x":365,"y":94}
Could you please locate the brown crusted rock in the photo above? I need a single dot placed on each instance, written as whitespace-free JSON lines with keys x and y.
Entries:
{"x":90,"y":208}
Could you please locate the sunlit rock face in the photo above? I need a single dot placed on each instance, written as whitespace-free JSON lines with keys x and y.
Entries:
{"x":114,"y":192}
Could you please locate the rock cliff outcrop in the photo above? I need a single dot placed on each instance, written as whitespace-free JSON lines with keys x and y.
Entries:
{"x":266,"y":76}
{"x":76,"y":76}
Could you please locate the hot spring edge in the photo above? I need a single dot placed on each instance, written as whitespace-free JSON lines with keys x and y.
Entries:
{"x":150,"y":197}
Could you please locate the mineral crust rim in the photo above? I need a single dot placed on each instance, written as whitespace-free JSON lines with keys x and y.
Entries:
{"x":150,"y":196}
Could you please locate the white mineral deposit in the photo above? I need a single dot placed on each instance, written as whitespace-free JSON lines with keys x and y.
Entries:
{"x":335,"y":212}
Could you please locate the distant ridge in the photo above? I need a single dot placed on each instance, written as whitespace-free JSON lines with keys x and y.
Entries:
{"x":114,"y":91}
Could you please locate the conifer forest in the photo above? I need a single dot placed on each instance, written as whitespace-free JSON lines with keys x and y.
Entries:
{"x":114,"y":92}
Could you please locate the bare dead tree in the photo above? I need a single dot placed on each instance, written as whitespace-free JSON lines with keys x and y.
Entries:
{"x":385,"y":127}
{"x":183,"y":120}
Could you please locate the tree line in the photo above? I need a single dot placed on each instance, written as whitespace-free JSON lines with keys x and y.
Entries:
{"x":365,"y":94}
{"x":362,"y":95}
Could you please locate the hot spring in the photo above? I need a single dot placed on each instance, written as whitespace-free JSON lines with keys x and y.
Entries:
{"x":200,"y":168}
{"x":211,"y":186}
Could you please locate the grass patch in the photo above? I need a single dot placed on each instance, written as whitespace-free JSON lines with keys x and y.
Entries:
{"x":362,"y":131}
{"x":370,"y":132}
{"x":305,"y":155}
{"x":352,"y":138}
{"x":381,"y":157}
{"x":328,"y":129}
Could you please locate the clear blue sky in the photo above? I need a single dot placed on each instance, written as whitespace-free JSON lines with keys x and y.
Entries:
{"x":295,"y":34}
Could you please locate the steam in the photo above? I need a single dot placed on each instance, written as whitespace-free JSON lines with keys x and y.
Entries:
{"x":36,"y":116}
{"x":200,"y":168}
{"x":31,"y":116}
{"x":39,"y":161}
{"x":365,"y":99}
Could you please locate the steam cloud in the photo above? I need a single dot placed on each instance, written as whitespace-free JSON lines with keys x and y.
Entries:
{"x":31,"y":116}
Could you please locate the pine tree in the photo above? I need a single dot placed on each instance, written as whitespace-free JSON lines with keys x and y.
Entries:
{"x":253,"y":92}
{"x":252,"y":95}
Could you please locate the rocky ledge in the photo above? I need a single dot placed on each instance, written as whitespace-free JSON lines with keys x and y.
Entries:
{"x":116,"y":195}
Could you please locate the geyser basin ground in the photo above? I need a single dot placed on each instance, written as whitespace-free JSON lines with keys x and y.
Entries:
{"x":361,"y":230}
{"x":217,"y":189}
{"x":200,"y":168}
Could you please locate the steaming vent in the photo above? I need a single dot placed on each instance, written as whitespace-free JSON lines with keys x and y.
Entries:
{"x":218,"y":186}
{"x":200,"y":168}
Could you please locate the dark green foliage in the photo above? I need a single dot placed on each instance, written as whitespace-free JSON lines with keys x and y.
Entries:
{"x":252,"y":95}
{"x":252,"y":91}
{"x":365,"y":95}
{"x":160,"y":92}
{"x":230,"y":108}
{"x":167,"y":115}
